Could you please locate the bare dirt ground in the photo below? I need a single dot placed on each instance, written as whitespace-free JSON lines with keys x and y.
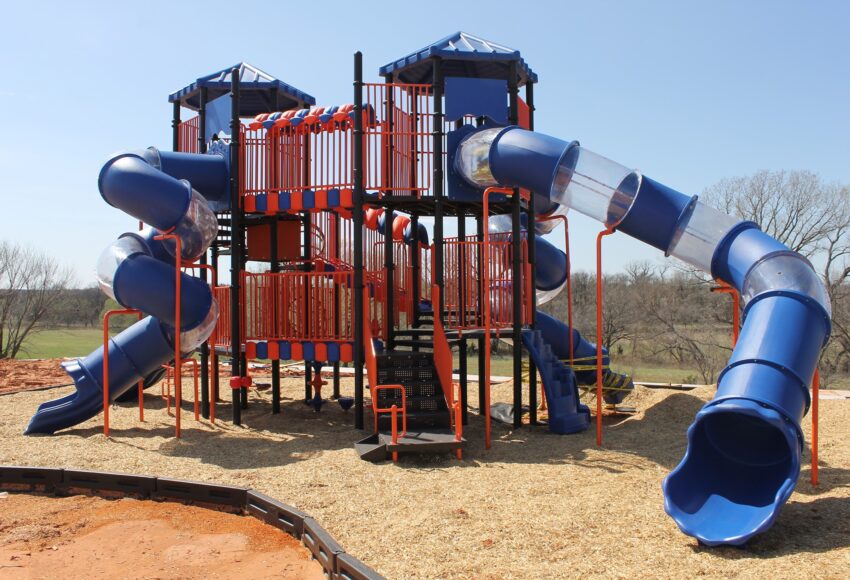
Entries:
{"x":25,"y":375}
{"x":90,"y":537}
{"x":535,"y":505}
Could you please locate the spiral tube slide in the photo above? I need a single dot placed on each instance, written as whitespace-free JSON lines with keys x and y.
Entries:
{"x":138,"y":272}
{"x":744,"y":447}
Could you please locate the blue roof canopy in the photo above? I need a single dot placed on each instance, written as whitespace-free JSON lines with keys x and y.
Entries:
{"x":259,"y":92}
{"x":463,"y":54}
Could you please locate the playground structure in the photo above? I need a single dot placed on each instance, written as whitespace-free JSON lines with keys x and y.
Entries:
{"x":330,"y":200}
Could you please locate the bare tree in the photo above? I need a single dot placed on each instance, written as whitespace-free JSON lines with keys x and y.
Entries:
{"x":30,"y":284}
{"x":811,"y":217}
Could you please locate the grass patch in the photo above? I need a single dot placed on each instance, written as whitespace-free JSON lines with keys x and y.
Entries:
{"x":61,"y":342}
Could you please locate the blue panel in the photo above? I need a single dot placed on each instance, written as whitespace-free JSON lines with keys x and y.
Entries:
{"x":309,"y":351}
{"x":333,"y":197}
{"x":285,"y":350}
{"x":309,"y":199}
{"x":333,"y":351}
{"x":262,"y":350}
{"x":218,"y":114}
{"x":284,"y":200}
{"x":477,"y":97}
{"x":262,"y":202}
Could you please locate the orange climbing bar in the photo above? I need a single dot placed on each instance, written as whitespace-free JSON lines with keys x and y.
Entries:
{"x":141,"y":384}
{"x":178,"y":383}
{"x":815,"y":399}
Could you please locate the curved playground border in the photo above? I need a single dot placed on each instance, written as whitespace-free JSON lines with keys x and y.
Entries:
{"x":337,"y":564}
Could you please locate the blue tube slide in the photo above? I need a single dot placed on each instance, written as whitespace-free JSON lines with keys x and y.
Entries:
{"x":138,"y":272}
{"x":745,"y":445}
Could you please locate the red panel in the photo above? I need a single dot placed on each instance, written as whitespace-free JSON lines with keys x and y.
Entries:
{"x":250,"y":350}
{"x":346,"y":198}
{"x":274,"y":350}
{"x":297,"y":351}
{"x":321,"y":351}
{"x":322,"y":199}
{"x":346,"y":352}
{"x":288,"y":241}
{"x":296,"y":201}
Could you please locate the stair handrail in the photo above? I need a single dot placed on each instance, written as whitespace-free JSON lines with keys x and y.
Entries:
{"x":375,"y":388}
{"x":442,"y":353}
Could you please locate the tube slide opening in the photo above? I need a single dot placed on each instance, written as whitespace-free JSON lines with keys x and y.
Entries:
{"x":742,"y":462}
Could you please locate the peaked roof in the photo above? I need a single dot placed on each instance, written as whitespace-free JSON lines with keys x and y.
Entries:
{"x":259,"y":92}
{"x":464,"y":55}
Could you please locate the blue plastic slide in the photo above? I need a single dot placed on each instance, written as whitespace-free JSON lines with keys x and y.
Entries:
{"x":138,"y":272}
{"x":744,"y":447}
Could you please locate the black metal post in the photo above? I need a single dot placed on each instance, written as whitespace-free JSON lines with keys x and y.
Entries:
{"x":532,"y":260}
{"x":215,"y":379}
{"x":205,"y":347}
{"x":415,"y":256}
{"x":274,"y":267}
{"x":516,"y":266}
{"x":389,"y":267}
{"x":337,"y":299}
{"x":175,"y":127}
{"x":235,"y":245}
{"x":358,"y":241}
{"x":308,"y":288}
{"x":437,"y":82}
{"x":461,"y":287}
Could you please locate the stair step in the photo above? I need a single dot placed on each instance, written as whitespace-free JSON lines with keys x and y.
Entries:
{"x":430,"y":441}
{"x":415,"y":332}
{"x":417,"y":419}
{"x":413,"y":343}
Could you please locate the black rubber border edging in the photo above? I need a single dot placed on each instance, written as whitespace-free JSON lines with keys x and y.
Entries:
{"x":337,"y":564}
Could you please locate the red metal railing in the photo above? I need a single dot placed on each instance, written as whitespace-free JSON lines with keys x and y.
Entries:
{"x":467,"y":285}
{"x":221,"y":335}
{"x":398,"y":152}
{"x":299,"y":306}
{"x":397,"y":147}
{"x":188,"y":132}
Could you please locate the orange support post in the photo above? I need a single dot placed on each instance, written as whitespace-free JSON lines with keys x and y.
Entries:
{"x":724,"y":288}
{"x":815,"y":396}
{"x":178,"y":383}
{"x":599,"y":237}
{"x":105,"y":381}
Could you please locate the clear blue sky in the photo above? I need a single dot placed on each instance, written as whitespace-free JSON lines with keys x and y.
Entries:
{"x":687,"y":92}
